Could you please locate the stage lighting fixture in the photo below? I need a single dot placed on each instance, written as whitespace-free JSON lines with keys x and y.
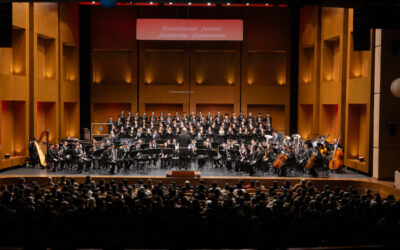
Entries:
{"x":247,"y":4}
{"x":228,"y":4}
{"x":170,"y":3}
{"x":151,"y":3}
{"x":208,"y":3}
{"x":189,"y":3}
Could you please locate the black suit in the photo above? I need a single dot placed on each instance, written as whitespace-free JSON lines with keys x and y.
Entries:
{"x":184,"y":140}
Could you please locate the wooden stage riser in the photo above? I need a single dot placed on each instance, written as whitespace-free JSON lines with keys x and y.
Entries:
{"x":382,"y":187}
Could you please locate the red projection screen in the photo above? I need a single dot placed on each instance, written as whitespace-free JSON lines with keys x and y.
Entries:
{"x":190,"y":29}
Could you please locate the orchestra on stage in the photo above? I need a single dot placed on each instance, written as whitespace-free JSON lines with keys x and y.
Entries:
{"x":242,"y":144}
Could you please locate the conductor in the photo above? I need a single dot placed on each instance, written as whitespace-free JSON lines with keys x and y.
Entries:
{"x":184,"y":139}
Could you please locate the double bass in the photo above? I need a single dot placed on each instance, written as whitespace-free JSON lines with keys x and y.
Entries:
{"x":336,"y":161}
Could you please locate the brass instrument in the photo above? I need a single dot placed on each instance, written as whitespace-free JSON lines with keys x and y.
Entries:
{"x":268,"y":137}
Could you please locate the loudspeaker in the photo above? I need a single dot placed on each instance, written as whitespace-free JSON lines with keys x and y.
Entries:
{"x":361,"y":30}
{"x":6,"y":25}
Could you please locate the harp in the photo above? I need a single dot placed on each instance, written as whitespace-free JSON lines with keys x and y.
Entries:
{"x":41,"y":146}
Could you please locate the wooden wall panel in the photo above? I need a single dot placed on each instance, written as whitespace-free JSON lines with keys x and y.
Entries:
{"x":169,"y":92}
{"x":113,"y":33}
{"x":46,"y":120}
{"x":330,"y":121}
{"x":165,"y":108}
{"x":71,"y":115}
{"x":266,"y":31}
{"x":13,"y":128}
{"x":19,"y":51}
{"x":215,"y":88}
{"x":49,"y":89}
{"x":215,"y":108}
{"x":309,"y":71}
{"x":14,"y":87}
{"x":266,"y":68}
{"x":112,"y":67}
{"x":305,"y":120}
{"x":358,"y":103}
{"x":103,"y":111}
{"x":164,"y":67}
{"x":215,"y":67}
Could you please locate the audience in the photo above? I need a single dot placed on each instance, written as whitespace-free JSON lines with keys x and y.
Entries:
{"x":146,"y":214}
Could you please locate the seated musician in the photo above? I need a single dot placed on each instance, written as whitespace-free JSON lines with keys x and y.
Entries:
{"x":123,"y":155}
{"x":77,"y":156}
{"x":153,"y":157}
{"x":166,"y":156}
{"x":111,"y":157}
{"x":91,"y":155}
{"x":220,"y":158}
{"x":305,"y":155}
{"x":58,"y":154}
{"x":290,"y":163}
{"x":256,"y":159}
{"x":318,"y":163}
{"x":86,"y":162}
{"x":51,"y":157}
{"x":241,"y":161}
{"x":269,"y":157}
{"x":229,"y":155}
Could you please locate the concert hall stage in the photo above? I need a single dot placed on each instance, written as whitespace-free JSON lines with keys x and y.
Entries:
{"x":204,"y":172}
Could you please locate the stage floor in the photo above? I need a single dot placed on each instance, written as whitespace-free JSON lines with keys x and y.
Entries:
{"x":204,"y":172}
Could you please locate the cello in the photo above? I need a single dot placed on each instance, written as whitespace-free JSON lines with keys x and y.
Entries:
{"x":311,"y":160}
{"x":336,"y":161}
{"x":280,"y":160}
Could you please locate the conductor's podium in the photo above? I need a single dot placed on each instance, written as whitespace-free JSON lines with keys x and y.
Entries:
{"x":183,"y":174}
